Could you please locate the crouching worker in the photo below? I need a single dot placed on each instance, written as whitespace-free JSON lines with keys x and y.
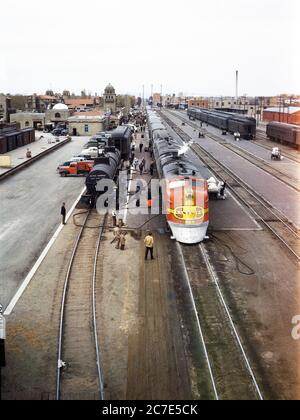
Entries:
{"x":122,"y":241}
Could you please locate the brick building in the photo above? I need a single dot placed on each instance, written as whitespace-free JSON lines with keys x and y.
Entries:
{"x":198,"y":103}
{"x":289,"y":115}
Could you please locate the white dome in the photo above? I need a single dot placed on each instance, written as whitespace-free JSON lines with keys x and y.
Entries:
{"x":60,"y":107}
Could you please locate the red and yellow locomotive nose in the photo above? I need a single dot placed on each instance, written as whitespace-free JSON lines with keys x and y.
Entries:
{"x":188,"y":201}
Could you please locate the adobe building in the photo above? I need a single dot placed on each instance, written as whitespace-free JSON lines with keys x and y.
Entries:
{"x":58,"y":114}
{"x":29,"y":120}
{"x":86,"y":125}
{"x":289,"y":115}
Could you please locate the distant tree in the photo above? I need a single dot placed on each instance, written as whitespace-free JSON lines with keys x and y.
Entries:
{"x":49,"y":93}
{"x":67,"y":93}
{"x":139,"y":101}
{"x":83,"y":94}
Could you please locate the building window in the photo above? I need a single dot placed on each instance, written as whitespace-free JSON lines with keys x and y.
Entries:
{"x":27,"y":124}
{"x":57,"y":115}
{"x":86,"y":128}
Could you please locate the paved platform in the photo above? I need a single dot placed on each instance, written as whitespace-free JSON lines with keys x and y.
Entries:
{"x":30,"y":213}
{"x":18,"y":156}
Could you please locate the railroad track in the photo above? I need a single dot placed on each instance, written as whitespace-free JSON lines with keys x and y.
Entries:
{"x":250,"y":157}
{"x":230,"y":372}
{"x":79,"y":372}
{"x":263,"y":211}
{"x":265,"y":143}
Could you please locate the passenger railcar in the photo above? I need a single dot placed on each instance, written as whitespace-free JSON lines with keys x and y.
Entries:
{"x":284,"y":133}
{"x":226,"y":121}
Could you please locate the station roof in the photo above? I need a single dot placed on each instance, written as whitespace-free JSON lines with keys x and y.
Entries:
{"x":288,"y":110}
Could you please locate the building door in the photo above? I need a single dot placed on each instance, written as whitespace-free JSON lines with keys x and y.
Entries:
{"x":74,"y":131}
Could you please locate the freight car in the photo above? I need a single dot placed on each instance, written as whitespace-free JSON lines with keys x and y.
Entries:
{"x":284,"y":133}
{"x":226,"y":121}
{"x":12,"y":138}
{"x":3,"y":145}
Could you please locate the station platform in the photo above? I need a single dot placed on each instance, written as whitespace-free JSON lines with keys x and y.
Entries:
{"x":41,"y":145}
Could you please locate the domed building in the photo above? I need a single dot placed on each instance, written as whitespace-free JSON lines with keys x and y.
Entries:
{"x":110,"y":99}
{"x":58,"y":114}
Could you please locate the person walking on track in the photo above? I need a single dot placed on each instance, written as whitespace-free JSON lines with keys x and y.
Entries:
{"x":141,"y":147}
{"x":63,"y":213}
{"x":149,"y":244}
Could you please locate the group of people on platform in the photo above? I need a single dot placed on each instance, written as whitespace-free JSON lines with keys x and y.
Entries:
{"x":120,"y":237}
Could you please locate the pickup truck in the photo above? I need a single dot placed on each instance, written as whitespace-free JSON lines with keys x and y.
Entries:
{"x":75,"y":168}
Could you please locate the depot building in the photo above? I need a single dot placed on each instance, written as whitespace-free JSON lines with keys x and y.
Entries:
{"x":86,"y":125}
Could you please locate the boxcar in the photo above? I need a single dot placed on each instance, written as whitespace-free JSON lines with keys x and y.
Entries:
{"x":12,"y":140}
{"x":3,"y":145}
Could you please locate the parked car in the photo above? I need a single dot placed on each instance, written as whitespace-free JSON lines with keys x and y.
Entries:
{"x":75,"y":168}
{"x":91,"y":151}
{"x":60,"y":132}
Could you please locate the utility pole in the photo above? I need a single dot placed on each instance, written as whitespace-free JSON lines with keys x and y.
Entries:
{"x":2,"y":345}
{"x":143,"y":96}
{"x":237,"y":87}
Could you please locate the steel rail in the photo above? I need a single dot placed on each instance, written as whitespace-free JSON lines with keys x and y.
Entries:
{"x":63,"y":306}
{"x":62,"y":310}
{"x":265,"y":222}
{"x":265,"y":146}
{"x":247,"y":188}
{"x":213,"y":382}
{"x":97,"y":347}
{"x":233,"y":328}
{"x":257,"y":161}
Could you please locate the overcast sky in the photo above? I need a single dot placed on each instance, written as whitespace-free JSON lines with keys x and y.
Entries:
{"x":190,"y":46}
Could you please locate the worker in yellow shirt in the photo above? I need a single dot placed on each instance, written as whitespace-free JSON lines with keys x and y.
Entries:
{"x":149,"y":244}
